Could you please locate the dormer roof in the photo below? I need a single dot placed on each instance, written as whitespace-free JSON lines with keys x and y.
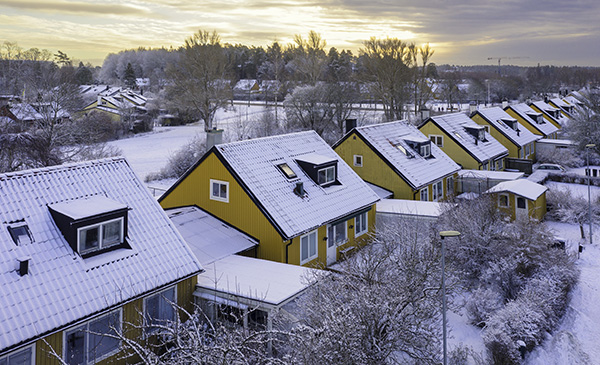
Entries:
{"x":457,"y":126}
{"x":534,"y":118}
{"x":520,"y":136}
{"x":389,"y":140}
{"x":61,"y":286}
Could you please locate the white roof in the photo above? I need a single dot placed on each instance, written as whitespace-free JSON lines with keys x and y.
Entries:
{"x":455,"y":124}
{"x":410,"y":207}
{"x":523,"y":187}
{"x":261,"y":280}
{"x":559,"y":102}
{"x":87,"y":207}
{"x":416,"y":170}
{"x":494,"y":116}
{"x":572,"y":100}
{"x":25,"y":112}
{"x":547,"y":108}
{"x":245,"y":84}
{"x":560,"y":142}
{"x":546,"y":128}
{"x":61,"y":287}
{"x":381,"y":192}
{"x":209,"y":238}
{"x":494,"y":175}
{"x":255,"y":164}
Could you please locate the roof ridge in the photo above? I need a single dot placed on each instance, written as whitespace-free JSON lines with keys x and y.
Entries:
{"x":260,"y":139}
{"x":72,"y":165}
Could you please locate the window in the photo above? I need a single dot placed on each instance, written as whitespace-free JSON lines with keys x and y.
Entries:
{"x":487,"y":128}
{"x":402,"y":149}
{"x":499,"y":164}
{"x":521,"y":152}
{"x":88,"y":344}
{"x":361,"y":224}
{"x":337,"y":233}
{"x":287,"y":170}
{"x":425,"y":150}
{"x":450,"y":185}
{"x":527,"y":150}
{"x":484,"y":167}
{"x":358,"y":160}
{"x":503,"y":200}
{"x":438,"y":140}
{"x":20,"y":235}
{"x":308,"y":247}
{"x":100,"y":236}
{"x":19,"y":357}
{"x":326,"y":175}
{"x":425,"y":194}
{"x":521,"y":204}
{"x":219,"y":190}
{"x":438,"y":190}
{"x":158,"y":309}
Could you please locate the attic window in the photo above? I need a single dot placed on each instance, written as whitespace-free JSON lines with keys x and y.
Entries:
{"x":100,"y":236}
{"x":321,"y":169}
{"x":510,"y":123}
{"x":537,"y":117}
{"x":20,"y":234}
{"x":477,"y":132}
{"x":287,"y":170}
{"x":402,"y":149}
{"x":419,"y":144}
{"x":425,"y":149}
{"x":326,"y":175}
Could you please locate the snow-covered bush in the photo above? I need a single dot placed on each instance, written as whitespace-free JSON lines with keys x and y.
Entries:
{"x":482,"y":304}
{"x":563,"y":206}
{"x":181,"y":160}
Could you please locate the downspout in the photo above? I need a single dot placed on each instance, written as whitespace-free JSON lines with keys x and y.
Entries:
{"x":286,"y":250}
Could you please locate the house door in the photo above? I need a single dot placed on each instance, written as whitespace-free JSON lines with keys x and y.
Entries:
{"x":521,"y":208}
{"x":331,"y":246}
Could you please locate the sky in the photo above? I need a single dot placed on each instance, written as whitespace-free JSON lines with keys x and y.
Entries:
{"x":462,"y":32}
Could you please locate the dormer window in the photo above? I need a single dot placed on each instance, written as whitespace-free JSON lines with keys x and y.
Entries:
{"x":419,"y":144}
{"x":20,"y":234}
{"x":321,"y":169}
{"x":510,"y":123}
{"x":92,"y":225}
{"x":287,"y":171}
{"x":425,"y":150}
{"x":537,"y":117}
{"x":478,"y":132}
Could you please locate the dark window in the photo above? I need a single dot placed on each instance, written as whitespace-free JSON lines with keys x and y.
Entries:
{"x":20,"y":234}
{"x":521,"y":203}
{"x":159,"y":309}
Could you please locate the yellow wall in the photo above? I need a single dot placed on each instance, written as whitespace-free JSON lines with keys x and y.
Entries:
{"x":451,"y":148}
{"x":537,"y":208}
{"x":513,"y":150}
{"x":376,"y":171}
{"x":241,"y":212}
{"x":548,"y":119}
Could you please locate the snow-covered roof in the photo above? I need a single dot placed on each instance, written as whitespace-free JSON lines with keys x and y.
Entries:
{"x":526,"y":113}
{"x":558,"y":142}
{"x":255,"y":279}
{"x":381,"y":192}
{"x":493,"y":175}
{"x":455,"y":126}
{"x":559,"y":102}
{"x":416,"y":170}
{"x":25,"y":112}
{"x":410,"y":208}
{"x":245,"y":85}
{"x":209,"y":238}
{"x":255,"y":161}
{"x":87,"y":207}
{"x":62,"y":287}
{"x":573,"y":100}
{"x":550,"y":111}
{"x":495,"y":115}
{"x":523,"y":187}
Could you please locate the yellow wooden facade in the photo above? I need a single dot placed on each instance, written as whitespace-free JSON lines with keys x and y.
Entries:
{"x":377,"y":171}
{"x":553,"y":121}
{"x":113,"y":113}
{"x":46,"y":347}
{"x":536,"y":208}
{"x":242,"y":212}
{"x":453,"y":149}
{"x":528,"y":125}
{"x":514,"y":150}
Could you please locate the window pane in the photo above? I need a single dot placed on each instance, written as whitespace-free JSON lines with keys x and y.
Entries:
{"x":321,"y":177}
{"x":330,"y":174}
{"x":88,"y":239}
{"x":330,"y":236}
{"x":223,"y":191}
{"x":159,"y":309}
{"x":312,"y":244}
{"x":521,"y":203}
{"x":215,"y":189}
{"x":304,"y":248}
{"x":340,"y":232}
{"x":75,"y":343}
{"x":100,"y":345}
{"x":22,"y":357}
{"x":111,"y":233}
{"x":3,"y":361}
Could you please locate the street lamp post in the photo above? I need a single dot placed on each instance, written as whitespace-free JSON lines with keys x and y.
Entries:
{"x":444,"y":234}
{"x":589,"y":177}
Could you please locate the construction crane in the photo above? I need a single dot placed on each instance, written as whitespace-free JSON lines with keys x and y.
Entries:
{"x":501,"y":58}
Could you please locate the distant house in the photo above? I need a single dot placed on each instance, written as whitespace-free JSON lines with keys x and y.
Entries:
{"x":116,"y":102}
{"x":292,"y":193}
{"x":84,"y":249}
{"x":550,"y":113}
{"x":245,"y":88}
{"x":521,"y":198}
{"x":535,"y":121}
{"x":465,"y":141}
{"x":566,"y":109}
{"x":397,"y":157}
{"x":507,"y":130}
{"x":22,"y":113}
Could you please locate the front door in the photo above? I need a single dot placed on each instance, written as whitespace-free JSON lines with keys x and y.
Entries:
{"x":521,"y":208}
{"x":331,"y":246}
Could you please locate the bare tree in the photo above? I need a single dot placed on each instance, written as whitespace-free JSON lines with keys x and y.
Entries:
{"x":309,"y":58}
{"x":199,"y":79}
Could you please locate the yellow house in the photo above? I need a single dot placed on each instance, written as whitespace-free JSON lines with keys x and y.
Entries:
{"x":397,"y":157}
{"x":465,"y":141}
{"x":116,"y":102}
{"x":507,"y":130}
{"x":565,"y":108}
{"x":535,"y":121}
{"x":292,"y":193}
{"x":550,"y":113}
{"x":521,"y":198}
{"x":89,"y":253}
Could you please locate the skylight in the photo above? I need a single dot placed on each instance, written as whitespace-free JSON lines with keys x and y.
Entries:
{"x":402,"y":149}
{"x":287,"y":170}
{"x":20,"y":234}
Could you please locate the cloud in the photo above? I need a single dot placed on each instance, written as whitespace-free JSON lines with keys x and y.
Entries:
{"x":73,"y":7}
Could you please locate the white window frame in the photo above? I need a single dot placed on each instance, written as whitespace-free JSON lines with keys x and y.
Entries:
{"x":487,"y":128}
{"x":425,"y":150}
{"x":500,"y":201}
{"x":484,"y":166}
{"x":31,"y":349}
{"x":500,"y":164}
{"x":333,"y":227}
{"x":358,"y":160}
{"x":100,"y":227}
{"x":87,"y":338}
{"x":435,"y":138}
{"x":149,"y":330}
{"x":437,"y":190}
{"x":425,"y":191}
{"x":309,"y":257}
{"x":363,"y":221}
{"x":327,"y":180}
{"x":219,"y":198}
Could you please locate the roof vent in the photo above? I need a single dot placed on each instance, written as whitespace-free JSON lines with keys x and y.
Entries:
{"x":299,"y":189}
{"x":23,"y":265}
